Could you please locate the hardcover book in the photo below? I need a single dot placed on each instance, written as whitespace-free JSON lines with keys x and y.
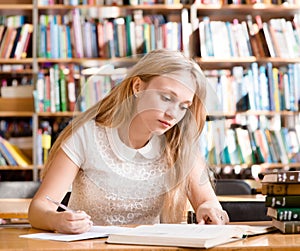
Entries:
{"x":185,"y":235}
{"x":282,"y":201}
{"x":287,"y":227}
{"x":284,"y":213}
{"x":282,"y":177}
{"x":280,"y":189}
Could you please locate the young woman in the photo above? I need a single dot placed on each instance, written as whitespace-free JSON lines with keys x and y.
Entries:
{"x":134,"y":157}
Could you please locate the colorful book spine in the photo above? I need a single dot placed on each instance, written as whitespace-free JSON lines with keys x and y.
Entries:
{"x":287,"y":227}
{"x":6,"y":154}
{"x":280,"y":189}
{"x":284,"y":214}
{"x":282,"y":177}
{"x":282,"y":201}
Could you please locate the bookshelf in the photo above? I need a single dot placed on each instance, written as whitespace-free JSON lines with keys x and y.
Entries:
{"x":81,"y":56}
{"x":16,"y":114}
{"x":284,"y":116}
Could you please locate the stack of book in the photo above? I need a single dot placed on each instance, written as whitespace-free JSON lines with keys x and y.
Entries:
{"x":282,"y":190}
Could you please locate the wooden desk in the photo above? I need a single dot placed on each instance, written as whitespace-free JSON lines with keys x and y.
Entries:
{"x":14,"y":208}
{"x":10,"y":241}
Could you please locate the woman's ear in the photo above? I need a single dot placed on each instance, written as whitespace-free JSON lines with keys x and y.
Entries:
{"x":136,"y":85}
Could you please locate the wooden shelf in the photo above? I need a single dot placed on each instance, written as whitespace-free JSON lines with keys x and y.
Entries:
{"x":228,"y":63}
{"x":16,"y":114}
{"x":263,"y":165}
{"x":109,"y":11}
{"x":250,"y":113}
{"x":16,"y":61}
{"x":57,"y":114}
{"x":15,"y":168}
{"x":16,"y":9}
{"x":239,"y":11}
{"x":157,"y":7}
{"x":91,"y":62}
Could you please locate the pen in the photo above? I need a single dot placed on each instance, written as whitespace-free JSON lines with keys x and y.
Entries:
{"x":59,"y":204}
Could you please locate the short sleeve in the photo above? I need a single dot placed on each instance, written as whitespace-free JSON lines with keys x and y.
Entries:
{"x":75,"y":146}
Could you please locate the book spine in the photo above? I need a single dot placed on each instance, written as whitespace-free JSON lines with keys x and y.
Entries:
{"x":14,"y":153}
{"x":71,"y":91}
{"x":7,"y":155}
{"x":277,"y":201}
{"x":63,"y":91}
{"x":287,"y":177}
{"x":284,"y":214}
{"x":280,"y":189}
{"x":287,"y":227}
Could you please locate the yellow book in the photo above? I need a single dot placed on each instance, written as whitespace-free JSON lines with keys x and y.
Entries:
{"x":18,"y":155}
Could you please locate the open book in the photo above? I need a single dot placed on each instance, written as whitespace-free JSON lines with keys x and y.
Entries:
{"x":185,"y":235}
{"x":95,"y":232}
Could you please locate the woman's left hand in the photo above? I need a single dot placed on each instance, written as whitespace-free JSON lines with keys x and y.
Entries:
{"x":207,"y":213}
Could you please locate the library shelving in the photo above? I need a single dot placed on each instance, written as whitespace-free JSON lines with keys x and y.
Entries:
{"x":77,"y":45}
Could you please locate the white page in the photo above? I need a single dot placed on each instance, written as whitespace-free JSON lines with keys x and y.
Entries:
{"x":185,"y":235}
{"x":94,"y":232}
{"x":188,"y":230}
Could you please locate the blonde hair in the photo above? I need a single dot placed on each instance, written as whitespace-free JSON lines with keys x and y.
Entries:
{"x":181,"y":150}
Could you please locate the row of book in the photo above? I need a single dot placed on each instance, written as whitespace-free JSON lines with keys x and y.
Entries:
{"x":141,"y":2}
{"x":110,"y":2}
{"x":65,"y":88}
{"x":248,"y":2}
{"x":107,"y":38}
{"x":13,"y":20}
{"x":282,"y":190}
{"x":12,"y":155}
{"x":276,"y":37}
{"x":15,"y":127}
{"x":260,"y":87}
{"x":15,"y":67}
{"x":15,"y":42}
{"x":47,"y":133}
{"x":238,"y":145}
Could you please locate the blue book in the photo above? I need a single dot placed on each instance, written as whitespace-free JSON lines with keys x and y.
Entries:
{"x":6,"y":154}
{"x":94,"y":40}
{"x":42,"y":42}
{"x":270,"y":86}
{"x":69,"y":45}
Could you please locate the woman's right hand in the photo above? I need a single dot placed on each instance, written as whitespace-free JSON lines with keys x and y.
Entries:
{"x":70,"y":222}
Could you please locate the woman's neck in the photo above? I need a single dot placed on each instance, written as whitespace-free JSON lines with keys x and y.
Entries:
{"x":133,"y":135}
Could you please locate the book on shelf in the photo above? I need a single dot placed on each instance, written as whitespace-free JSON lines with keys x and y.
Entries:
{"x":278,"y":35}
{"x":185,"y":235}
{"x":6,"y":40}
{"x":284,"y":213}
{"x":20,"y":158}
{"x":277,"y":201}
{"x":254,"y":39}
{"x":282,"y":177}
{"x":26,"y":31}
{"x":287,"y":227}
{"x":280,"y":189}
{"x":18,"y":91}
{"x":9,"y":159}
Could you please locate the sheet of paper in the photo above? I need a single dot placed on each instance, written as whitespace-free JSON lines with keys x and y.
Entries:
{"x":95,"y":232}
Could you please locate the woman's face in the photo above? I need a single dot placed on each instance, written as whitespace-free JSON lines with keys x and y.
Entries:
{"x":163,"y":103}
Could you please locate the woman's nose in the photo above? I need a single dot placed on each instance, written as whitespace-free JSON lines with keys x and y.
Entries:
{"x":171,"y":112}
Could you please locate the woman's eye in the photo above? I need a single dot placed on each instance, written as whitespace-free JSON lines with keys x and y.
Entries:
{"x":165,"y":98}
{"x":184,"y":107}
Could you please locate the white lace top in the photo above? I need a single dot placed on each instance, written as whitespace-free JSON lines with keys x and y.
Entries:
{"x":116,"y":184}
